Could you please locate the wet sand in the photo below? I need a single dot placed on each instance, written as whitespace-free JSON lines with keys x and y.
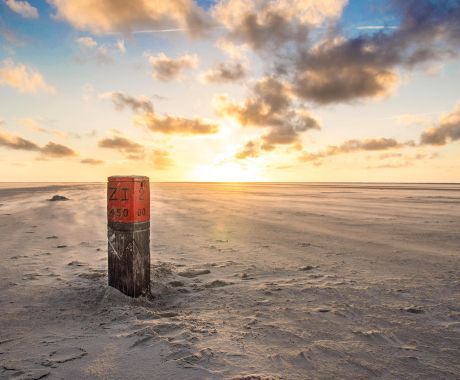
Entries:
{"x":291,"y":281}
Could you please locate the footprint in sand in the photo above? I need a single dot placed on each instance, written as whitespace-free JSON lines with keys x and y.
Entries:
{"x":64,"y":355}
{"x":26,"y":374}
{"x":193,"y":272}
{"x":217,"y":284}
{"x":176,"y":284}
{"x":77,"y":264}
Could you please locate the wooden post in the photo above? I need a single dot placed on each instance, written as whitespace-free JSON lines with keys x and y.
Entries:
{"x":128,"y":231}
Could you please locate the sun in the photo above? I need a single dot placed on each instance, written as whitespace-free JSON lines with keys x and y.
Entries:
{"x":228,"y":172}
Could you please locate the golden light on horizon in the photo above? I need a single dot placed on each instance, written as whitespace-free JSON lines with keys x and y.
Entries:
{"x":228,"y":172}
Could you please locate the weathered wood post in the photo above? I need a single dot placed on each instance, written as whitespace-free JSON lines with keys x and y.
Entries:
{"x":128,"y":230}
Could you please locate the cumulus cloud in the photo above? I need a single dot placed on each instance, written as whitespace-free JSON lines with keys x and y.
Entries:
{"x":128,"y":148}
{"x":225,"y":72}
{"x":271,"y":107}
{"x":23,"y":78}
{"x":91,"y":161}
{"x":175,"y":125}
{"x":23,"y":8}
{"x":122,"y":101}
{"x":54,"y":150}
{"x":324,"y":65}
{"x":50,"y":150}
{"x":355,"y":145}
{"x":448,"y":129}
{"x":366,"y":66}
{"x":108,"y":16}
{"x":266,"y":24}
{"x":10,"y":141}
{"x":161,"y":160}
{"x":90,"y":49}
{"x":146,"y":116}
{"x":167,"y":69}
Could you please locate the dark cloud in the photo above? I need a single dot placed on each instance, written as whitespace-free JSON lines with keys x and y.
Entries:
{"x":225,"y":72}
{"x":175,"y":125}
{"x":128,"y":148}
{"x":121,"y":101}
{"x":167,"y":69}
{"x":145,"y":116}
{"x":448,"y":129}
{"x":161,"y":160}
{"x":270,"y":25}
{"x":326,"y":65}
{"x":374,"y":144}
{"x":56,"y":151}
{"x":91,"y":161}
{"x":366,"y":66}
{"x":268,"y":30}
{"x":270,"y":106}
{"x":10,"y":141}
{"x":50,"y":150}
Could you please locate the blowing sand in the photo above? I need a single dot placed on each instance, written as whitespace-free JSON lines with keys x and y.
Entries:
{"x":255,"y":281}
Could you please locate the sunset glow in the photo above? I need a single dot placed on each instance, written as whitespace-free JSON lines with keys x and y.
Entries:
{"x":229,"y":90}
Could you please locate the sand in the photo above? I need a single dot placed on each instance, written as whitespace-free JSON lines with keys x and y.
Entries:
{"x":261,"y":281}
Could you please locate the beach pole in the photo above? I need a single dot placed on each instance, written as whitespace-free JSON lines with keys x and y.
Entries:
{"x":128,"y":231}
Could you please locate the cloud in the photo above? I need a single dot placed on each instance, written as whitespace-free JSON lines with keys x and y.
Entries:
{"x":333,"y":84}
{"x":303,"y":45}
{"x":251,"y":149}
{"x":146,"y":117}
{"x":267,"y":24}
{"x":355,"y":145}
{"x":50,"y":150}
{"x":367,"y":66}
{"x":399,"y":160}
{"x":130,"y":149}
{"x":23,"y":8}
{"x":167,"y":69}
{"x":161,"y":160}
{"x":121,"y":46}
{"x":10,"y":141}
{"x":32,"y":125}
{"x":109,"y":16}
{"x":233,"y":50}
{"x":448,"y":129}
{"x":56,"y":151}
{"x":90,"y":49}
{"x":23,"y":78}
{"x":91,"y":161}
{"x":175,"y":125}
{"x":87,"y":42}
{"x":8,"y":35}
{"x":271,"y":107}
{"x":122,"y":101}
{"x":225,"y":72}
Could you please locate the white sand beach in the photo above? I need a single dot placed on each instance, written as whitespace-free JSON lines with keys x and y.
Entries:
{"x":249,"y":281}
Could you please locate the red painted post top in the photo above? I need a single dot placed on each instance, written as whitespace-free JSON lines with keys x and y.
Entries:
{"x":128,"y":199}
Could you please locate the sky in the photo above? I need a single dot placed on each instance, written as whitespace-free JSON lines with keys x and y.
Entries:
{"x":230,"y":90}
